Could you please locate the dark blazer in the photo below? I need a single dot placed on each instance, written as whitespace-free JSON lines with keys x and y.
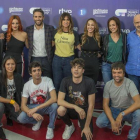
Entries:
{"x":19,"y":87}
{"x":48,"y":41}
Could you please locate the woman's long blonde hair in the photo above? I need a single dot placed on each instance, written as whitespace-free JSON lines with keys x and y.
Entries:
{"x":60,"y":27}
{"x":96,"y":34}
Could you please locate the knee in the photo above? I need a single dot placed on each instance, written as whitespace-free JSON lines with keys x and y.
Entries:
{"x":61,"y":111}
{"x":136,"y":115}
{"x":21,"y":117}
{"x":99,"y":122}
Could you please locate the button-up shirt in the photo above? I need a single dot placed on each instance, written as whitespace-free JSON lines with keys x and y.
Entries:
{"x":133,"y":50}
{"x":39,"y":42}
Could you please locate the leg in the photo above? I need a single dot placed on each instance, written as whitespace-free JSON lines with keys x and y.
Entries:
{"x":133,"y":117}
{"x":106,"y":72}
{"x":135,"y":79}
{"x":57,"y":72}
{"x":19,"y":68}
{"x":2,"y":107}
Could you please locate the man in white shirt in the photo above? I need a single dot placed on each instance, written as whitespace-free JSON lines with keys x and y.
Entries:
{"x":42,"y":100}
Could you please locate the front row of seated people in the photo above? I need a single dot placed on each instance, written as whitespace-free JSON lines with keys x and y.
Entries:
{"x":76,"y":100}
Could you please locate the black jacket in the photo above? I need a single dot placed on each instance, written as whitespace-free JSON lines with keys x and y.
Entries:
{"x":104,"y":46}
{"x":19,"y":87}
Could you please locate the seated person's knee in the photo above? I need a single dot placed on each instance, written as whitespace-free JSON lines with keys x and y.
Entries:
{"x":61,"y":111}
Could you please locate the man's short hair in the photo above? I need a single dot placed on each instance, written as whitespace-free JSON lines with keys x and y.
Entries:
{"x":118,"y":65}
{"x":39,"y":10}
{"x":34,"y":65}
{"x":78,"y":61}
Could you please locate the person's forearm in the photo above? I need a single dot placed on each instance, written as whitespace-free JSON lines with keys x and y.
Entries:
{"x":4,"y":100}
{"x":66,"y":104}
{"x":89,"y":116}
{"x":24,"y":108}
{"x":108,"y":113}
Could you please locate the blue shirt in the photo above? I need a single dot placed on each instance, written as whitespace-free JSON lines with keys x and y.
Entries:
{"x":133,"y":50}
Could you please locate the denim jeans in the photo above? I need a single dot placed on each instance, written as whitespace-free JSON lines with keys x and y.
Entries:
{"x":134,"y":118}
{"x":106,"y":72}
{"x":46,"y":67}
{"x":136,"y":80}
{"x":61,"y":68}
{"x":51,"y":110}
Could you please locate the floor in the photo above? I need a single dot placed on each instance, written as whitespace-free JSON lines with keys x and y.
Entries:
{"x":24,"y":132}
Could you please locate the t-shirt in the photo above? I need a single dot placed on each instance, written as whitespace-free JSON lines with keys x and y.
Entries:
{"x":11,"y":89}
{"x":121,"y":96}
{"x":65,"y":42}
{"x":38,"y":93}
{"x":78,"y":93}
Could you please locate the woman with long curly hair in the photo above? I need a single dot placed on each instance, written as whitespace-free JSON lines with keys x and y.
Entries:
{"x":65,"y":40}
{"x":11,"y":85}
{"x":90,"y":47}
{"x":14,"y":42}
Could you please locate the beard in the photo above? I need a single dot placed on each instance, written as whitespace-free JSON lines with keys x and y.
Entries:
{"x":40,"y":23}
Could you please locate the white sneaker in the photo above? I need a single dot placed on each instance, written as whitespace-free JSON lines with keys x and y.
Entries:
{"x":50,"y":133}
{"x":37,"y":125}
{"x":68,"y":132}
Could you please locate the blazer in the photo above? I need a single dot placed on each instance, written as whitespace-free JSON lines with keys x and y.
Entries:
{"x":48,"y":41}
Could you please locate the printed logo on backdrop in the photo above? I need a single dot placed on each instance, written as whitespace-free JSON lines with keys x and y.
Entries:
{"x":75,"y":29}
{"x":47,"y":11}
{"x":125,"y":31}
{"x":82,"y":12}
{"x":4,"y":27}
{"x":126,"y":12}
{"x":15,"y":10}
{"x":103,"y":30}
{"x":1,"y":10}
{"x":62,"y":10}
{"x":100,"y":12}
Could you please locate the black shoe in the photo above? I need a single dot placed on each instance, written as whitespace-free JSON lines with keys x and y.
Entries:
{"x":120,"y":129}
{"x":2,"y":135}
{"x":9,"y":122}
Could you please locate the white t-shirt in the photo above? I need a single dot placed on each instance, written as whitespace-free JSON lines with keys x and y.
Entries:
{"x":11,"y":89}
{"x":38,"y":93}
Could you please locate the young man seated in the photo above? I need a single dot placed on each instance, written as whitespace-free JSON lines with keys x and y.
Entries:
{"x":76,"y":101}
{"x":42,"y":100}
{"x":125,"y":103}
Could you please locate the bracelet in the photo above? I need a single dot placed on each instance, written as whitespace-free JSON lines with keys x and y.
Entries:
{"x":12,"y":102}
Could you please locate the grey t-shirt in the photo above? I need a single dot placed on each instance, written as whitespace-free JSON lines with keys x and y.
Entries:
{"x":121,"y":96}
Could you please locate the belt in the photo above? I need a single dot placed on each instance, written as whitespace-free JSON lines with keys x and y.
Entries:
{"x":89,"y":53}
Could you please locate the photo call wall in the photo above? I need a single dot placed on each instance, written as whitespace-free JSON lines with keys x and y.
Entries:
{"x":80,"y":10}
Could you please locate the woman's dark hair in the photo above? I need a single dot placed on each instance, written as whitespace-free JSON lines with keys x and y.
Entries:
{"x":4,"y":72}
{"x":117,"y":21}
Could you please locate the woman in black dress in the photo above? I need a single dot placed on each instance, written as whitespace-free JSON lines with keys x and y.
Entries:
{"x":90,"y":47}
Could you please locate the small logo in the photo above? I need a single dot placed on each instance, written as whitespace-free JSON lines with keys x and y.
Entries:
{"x":100,"y":12}
{"x":62,"y":10}
{"x":15,"y":10}
{"x":4,"y":27}
{"x":75,"y":29}
{"x":132,"y":12}
{"x":82,"y":12}
{"x":121,"y":12}
{"x":47,"y":11}
{"x":103,"y":30}
{"x":32,"y":9}
{"x":125,"y":31}
{"x":1,"y":10}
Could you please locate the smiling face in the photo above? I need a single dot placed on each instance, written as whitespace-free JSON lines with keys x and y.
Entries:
{"x":38,"y":18}
{"x":118,"y":75}
{"x":36,"y":73}
{"x":90,"y":26}
{"x":15,"y":25}
{"x":113,"y":26}
{"x":10,"y":66}
{"x":66,"y":22}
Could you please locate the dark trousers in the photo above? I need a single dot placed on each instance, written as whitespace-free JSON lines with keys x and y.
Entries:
{"x":72,"y":114}
{"x":45,"y":65}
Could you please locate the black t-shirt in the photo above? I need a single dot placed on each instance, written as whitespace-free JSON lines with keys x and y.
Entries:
{"x":78,"y":93}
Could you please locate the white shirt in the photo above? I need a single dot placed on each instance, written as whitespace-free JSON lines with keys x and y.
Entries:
{"x":38,"y":93}
{"x":39,"y":42}
{"x":11,"y":89}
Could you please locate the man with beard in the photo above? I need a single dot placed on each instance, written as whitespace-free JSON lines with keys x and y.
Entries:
{"x":125,"y":103}
{"x":133,"y":49}
{"x":43,"y":99}
{"x":76,"y":100}
{"x":40,"y":42}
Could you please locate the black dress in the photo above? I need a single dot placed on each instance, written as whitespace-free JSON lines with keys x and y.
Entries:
{"x":89,"y":52}
{"x":15,"y":49}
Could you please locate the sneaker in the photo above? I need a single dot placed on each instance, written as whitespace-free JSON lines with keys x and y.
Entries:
{"x":120,"y":129}
{"x":68,"y":132}
{"x":50,"y":133}
{"x":2,"y":135}
{"x":37,"y":125}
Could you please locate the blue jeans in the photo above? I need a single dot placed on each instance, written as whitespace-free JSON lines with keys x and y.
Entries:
{"x":51,"y":110}
{"x":61,"y":68}
{"x":134,"y":118}
{"x":46,"y":67}
{"x":136,"y":80}
{"x":106,"y":72}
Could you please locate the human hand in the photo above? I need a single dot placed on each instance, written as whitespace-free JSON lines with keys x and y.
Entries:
{"x":16,"y":106}
{"x":32,"y":111}
{"x":87,"y":133}
{"x":119,"y":120}
{"x":80,"y":111}
{"x":37,"y":117}
{"x":114,"y":127}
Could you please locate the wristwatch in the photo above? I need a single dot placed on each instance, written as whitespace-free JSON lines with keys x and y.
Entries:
{"x":123,"y":114}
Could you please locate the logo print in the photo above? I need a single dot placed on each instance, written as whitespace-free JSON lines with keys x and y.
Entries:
{"x":121,"y":12}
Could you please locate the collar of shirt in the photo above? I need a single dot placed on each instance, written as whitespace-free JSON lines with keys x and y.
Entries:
{"x":39,"y":29}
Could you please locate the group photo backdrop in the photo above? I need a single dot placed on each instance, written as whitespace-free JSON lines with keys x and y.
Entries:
{"x":80,"y":10}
